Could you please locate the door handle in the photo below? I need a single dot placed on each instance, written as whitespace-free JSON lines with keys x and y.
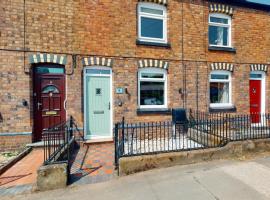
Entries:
{"x":109,"y":105}
{"x":38,"y":105}
{"x":65,"y":104}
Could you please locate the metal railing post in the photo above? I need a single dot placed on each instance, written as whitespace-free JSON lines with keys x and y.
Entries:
{"x":69,"y":133}
{"x":116,"y":149}
{"x":123,"y":137}
{"x":71,"y":126}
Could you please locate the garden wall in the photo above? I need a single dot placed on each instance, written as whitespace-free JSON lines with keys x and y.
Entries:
{"x":130,"y":165}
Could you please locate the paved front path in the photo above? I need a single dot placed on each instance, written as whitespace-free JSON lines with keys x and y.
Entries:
{"x":219,"y":180}
{"x":93,"y":163}
{"x":21,"y":177}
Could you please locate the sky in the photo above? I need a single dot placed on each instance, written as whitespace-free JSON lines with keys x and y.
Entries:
{"x":267,"y":2}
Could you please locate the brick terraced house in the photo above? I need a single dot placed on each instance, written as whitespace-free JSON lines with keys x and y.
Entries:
{"x":100,"y":60}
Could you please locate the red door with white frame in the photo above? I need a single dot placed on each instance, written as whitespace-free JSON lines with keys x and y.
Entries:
{"x":255,"y":100}
{"x":49,"y":98}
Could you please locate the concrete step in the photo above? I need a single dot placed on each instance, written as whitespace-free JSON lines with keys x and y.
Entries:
{"x":96,"y":141}
{"x":36,"y":144}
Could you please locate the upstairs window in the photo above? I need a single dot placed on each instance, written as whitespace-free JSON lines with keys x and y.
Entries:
{"x":152,"y":86}
{"x":220,"y":89}
{"x":152,"y":23}
{"x":219,"y":30}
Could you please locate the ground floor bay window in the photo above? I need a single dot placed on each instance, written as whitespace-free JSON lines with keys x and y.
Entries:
{"x":152,"y":88}
{"x":220,"y":89}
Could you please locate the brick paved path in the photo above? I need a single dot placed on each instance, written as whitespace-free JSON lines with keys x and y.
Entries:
{"x":93,"y":163}
{"x":22,"y":176}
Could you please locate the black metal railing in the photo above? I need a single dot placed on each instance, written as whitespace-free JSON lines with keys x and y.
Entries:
{"x":58,"y":143}
{"x":248,"y":127}
{"x":200,"y":131}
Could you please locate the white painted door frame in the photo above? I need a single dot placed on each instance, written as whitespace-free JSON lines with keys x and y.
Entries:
{"x":263,"y":92}
{"x":111,"y":99}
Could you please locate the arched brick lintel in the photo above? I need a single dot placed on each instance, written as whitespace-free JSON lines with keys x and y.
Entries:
{"x":97,"y":61}
{"x":162,"y":2}
{"x":221,"y":8}
{"x":47,"y":58}
{"x":144,"y":63}
{"x":259,"y":67}
{"x":222,"y":66}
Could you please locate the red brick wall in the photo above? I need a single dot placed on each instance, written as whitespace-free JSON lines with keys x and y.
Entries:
{"x":14,"y":142}
{"x":15,"y":86}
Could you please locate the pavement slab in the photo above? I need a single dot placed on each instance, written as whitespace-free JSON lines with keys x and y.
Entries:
{"x":216,"y":180}
{"x":254,"y":175}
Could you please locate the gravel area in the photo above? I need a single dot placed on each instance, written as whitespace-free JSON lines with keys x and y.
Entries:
{"x":7,"y":156}
{"x":160,"y":144}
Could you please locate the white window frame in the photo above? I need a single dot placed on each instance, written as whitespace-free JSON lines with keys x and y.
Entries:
{"x":229,"y":80}
{"x":263,"y":88}
{"x":229,"y":26}
{"x":164,"y":80}
{"x":153,"y":16}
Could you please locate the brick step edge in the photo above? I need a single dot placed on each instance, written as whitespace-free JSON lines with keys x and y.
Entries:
{"x":12,"y":162}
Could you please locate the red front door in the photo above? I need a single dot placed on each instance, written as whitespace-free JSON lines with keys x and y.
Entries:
{"x":49,"y":98}
{"x":255,"y":100}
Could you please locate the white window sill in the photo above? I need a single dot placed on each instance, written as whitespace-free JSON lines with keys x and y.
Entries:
{"x":221,"y":105}
{"x":222,"y":108}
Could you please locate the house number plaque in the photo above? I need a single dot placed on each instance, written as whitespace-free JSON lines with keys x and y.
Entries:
{"x":119,"y":91}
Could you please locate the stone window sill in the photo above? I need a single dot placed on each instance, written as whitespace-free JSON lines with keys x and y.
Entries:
{"x":165,"y":111}
{"x":153,"y":44}
{"x":227,"y":49}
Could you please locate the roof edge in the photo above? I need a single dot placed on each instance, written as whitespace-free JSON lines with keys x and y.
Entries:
{"x":244,"y":3}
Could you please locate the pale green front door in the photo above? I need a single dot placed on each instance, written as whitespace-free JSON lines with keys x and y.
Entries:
{"x":98,"y":108}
